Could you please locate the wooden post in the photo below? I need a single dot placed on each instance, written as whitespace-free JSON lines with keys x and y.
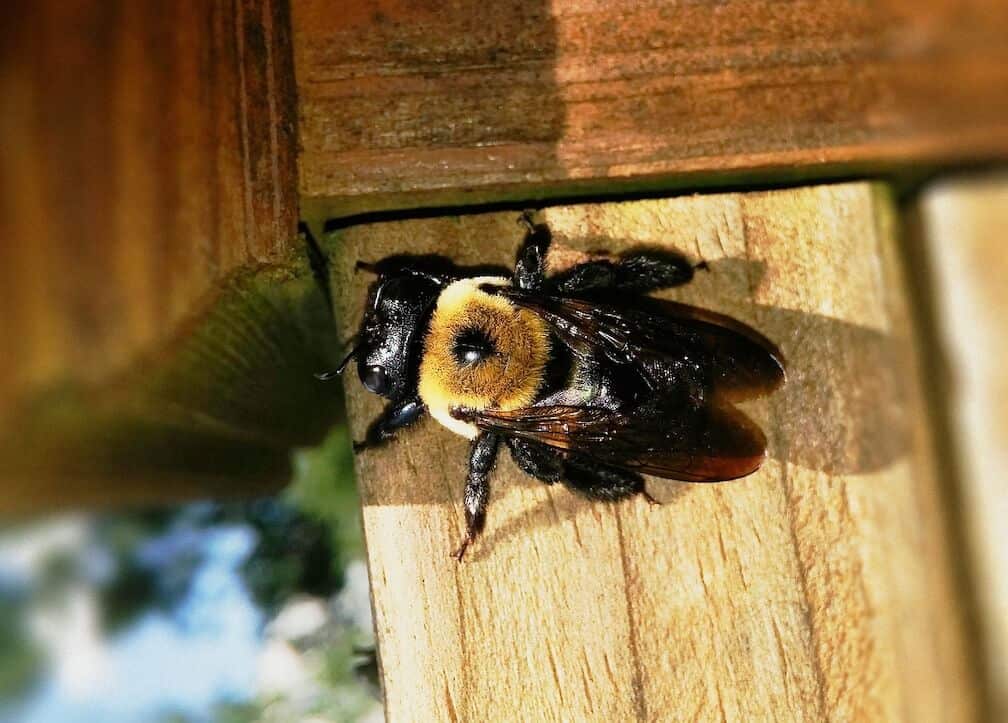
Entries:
{"x":159,"y":318}
{"x":817,"y":589}
{"x":962,"y":225}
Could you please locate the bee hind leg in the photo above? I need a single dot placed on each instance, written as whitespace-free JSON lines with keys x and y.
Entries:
{"x":482,"y":457}
{"x":536,"y":460}
{"x":637,"y":273}
{"x":599,"y":482}
{"x":654,"y":270}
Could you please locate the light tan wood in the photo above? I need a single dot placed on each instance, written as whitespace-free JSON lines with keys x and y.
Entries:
{"x":817,"y":589}
{"x":405,"y":104}
{"x":964,"y":224}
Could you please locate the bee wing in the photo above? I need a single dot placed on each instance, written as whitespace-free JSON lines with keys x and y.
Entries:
{"x":709,"y":444}
{"x":741,"y":362}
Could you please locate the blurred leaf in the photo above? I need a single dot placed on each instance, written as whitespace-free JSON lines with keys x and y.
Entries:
{"x":237,"y":713}
{"x":20,"y":660}
{"x":324,"y":488}
{"x":294,"y":554}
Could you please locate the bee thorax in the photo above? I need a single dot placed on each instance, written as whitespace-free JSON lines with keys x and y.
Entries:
{"x":480,"y":352}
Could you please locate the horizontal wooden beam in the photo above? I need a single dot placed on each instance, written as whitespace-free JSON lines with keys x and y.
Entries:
{"x":819,"y":588}
{"x":405,"y":104}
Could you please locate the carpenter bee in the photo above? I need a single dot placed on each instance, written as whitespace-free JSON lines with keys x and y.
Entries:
{"x":588,"y":381}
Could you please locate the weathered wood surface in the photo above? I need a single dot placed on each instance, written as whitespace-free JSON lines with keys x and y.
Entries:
{"x":406,"y":104}
{"x":817,"y":589}
{"x":964,"y":225}
{"x":147,"y":174}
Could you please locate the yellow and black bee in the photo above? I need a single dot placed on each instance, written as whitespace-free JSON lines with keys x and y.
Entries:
{"x":588,"y":381}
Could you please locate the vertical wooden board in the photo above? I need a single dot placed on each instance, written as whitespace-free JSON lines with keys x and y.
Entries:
{"x":148,"y":152}
{"x":963,"y":225}
{"x":818,"y":588}
{"x":160,"y":321}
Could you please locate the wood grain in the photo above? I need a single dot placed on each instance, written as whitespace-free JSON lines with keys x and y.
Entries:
{"x":147,"y":174}
{"x":963,"y":225}
{"x":144,"y":159}
{"x":817,"y":589}
{"x":405,"y":104}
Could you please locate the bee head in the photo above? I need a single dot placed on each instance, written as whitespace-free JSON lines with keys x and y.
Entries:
{"x":395,"y":318}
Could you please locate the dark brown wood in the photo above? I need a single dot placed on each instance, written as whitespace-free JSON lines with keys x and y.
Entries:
{"x":154,"y":292}
{"x":405,"y":104}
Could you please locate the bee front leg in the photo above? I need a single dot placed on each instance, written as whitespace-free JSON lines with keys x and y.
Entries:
{"x":395,"y":416}
{"x":482,"y":457}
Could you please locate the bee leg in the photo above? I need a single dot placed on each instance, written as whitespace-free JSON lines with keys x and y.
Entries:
{"x":647,"y":496}
{"x":599,"y":482}
{"x":482,"y":457}
{"x":644,"y":272}
{"x":638,"y":273}
{"x":588,"y":276}
{"x":536,"y":460}
{"x":599,"y":275}
{"x":318,"y":262}
{"x":530,"y":267}
{"x":395,"y":416}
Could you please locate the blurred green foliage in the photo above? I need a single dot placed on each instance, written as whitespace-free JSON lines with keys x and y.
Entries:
{"x":20,"y":659}
{"x":304,"y":538}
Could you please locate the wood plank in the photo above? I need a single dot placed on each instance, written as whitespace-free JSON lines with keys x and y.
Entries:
{"x":963,"y":224}
{"x":147,"y":175}
{"x":142,"y":164}
{"x":819,"y":588}
{"x":405,"y":104}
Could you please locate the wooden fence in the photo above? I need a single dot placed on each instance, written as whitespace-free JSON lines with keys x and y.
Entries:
{"x":162,"y":320}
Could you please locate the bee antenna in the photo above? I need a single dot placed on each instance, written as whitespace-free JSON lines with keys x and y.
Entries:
{"x":366,"y":266}
{"x":327,"y":376}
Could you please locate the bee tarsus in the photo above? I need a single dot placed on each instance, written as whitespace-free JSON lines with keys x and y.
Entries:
{"x":482,"y":458}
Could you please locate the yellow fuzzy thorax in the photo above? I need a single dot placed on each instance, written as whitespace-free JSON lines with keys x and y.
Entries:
{"x":507,"y":380}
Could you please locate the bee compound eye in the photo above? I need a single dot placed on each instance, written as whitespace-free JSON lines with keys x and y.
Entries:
{"x":376,"y":380}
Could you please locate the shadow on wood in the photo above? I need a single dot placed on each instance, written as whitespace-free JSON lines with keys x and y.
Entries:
{"x":148,"y":193}
{"x":819,"y":587}
{"x":842,"y":409}
{"x":215,"y":412}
